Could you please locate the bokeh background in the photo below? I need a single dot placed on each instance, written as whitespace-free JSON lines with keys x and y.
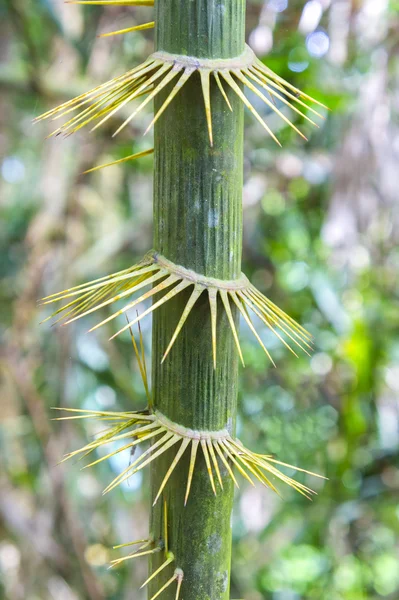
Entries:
{"x":321,"y":239}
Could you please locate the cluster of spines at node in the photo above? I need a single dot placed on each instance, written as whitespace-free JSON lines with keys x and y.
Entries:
{"x":220,"y":449}
{"x":166,"y":278}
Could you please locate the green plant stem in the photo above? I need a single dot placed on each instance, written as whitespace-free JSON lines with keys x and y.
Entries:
{"x":201,"y":28}
{"x":197,"y":224}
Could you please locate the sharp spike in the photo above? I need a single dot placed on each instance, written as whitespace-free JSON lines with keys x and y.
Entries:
{"x":159,"y":68}
{"x":112,"y":436}
{"x":263,"y":462}
{"x":87,"y":300}
{"x":276,"y":320}
{"x":283,"y":464}
{"x":248,"y":301}
{"x":139,"y":432}
{"x":259,"y":474}
{"x":214,"y":461}
{"x":99,"y":460}
{"x":163,"y":588}
{"x":271,"y":86}
{"x":66,"y":306}
{"x":165,"y":80}
{"x":167,"y":562}
{"x":178,"y":456}
{"x":120,"y":161}
{"x":194,"y":448}
{"x":131,"y":86}
{"x":222,"y":90}
{"x":140,"y":283}
{"x":86,"y":449}
{"x":101,"y":280}
{"x":168,"y":282}
{"x":103,"y":413}
{"x":165,"y":526}
{"x":238,"y":452}
{"x":102,"y":93}
{"x":93,"y":93}
{"x":128,"y":472}
{"x":254,"y":89}
{"x":141,"y":362}
{"x":197,"y":291}
{"x":219,"y":450}
{"x":93,"y":285}
{"x":226,"y":304}
{"x":183,"y":79}
{"x":118,"y":561}
{"x":99,"y":104}
{"x":171,"y":442}
{"x":89,"y":448}
{"x":278,"y":311}
{"x":274,"y":94}
{"x":149,"y":542}
{"x":208,"y":464}
{"x":247,"y":103}
{"x":271,"y":321}
{"x":130,"y":445}
{"x":233,"y":460}
{"x":116,"y":90}
{"x":299,"y":487}
{"x":146,"y":541}
{"x":179,"y":582}
{"x":82,"y":302}
{"x":132,"y":289}
{"x":142,"y":27}
{"x":242,"y":310}
{"x":269,"y":73}
{"x":206,"y":92}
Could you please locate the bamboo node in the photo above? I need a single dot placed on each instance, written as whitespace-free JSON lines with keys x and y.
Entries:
{"x":246,"y":59}
{"x":161,"y":69}
{"x":191,"y":434}
{"x":162,"y":276}
{"x":207,"y":282}
{"x":221,"y":451}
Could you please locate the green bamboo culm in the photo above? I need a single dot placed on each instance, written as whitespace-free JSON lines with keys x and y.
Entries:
{"x":197,"y":224}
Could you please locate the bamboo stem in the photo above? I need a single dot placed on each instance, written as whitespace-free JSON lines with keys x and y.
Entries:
{"x":197,"y":224}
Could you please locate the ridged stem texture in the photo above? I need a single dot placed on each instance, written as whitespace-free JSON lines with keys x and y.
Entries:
{"x":197,"y":224}
{"x":201,"y":28}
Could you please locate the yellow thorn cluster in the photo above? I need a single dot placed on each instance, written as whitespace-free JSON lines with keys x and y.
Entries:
{"x":162,"y":68}
{"x":163,"y":276}
{"x":219,"y":449}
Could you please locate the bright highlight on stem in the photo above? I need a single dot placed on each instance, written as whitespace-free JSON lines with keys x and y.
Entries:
{"x":165,"y":277}
{"x":162,"y":69}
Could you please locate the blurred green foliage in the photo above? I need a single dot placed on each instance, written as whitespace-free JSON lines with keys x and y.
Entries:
{"x":321,"y":234}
